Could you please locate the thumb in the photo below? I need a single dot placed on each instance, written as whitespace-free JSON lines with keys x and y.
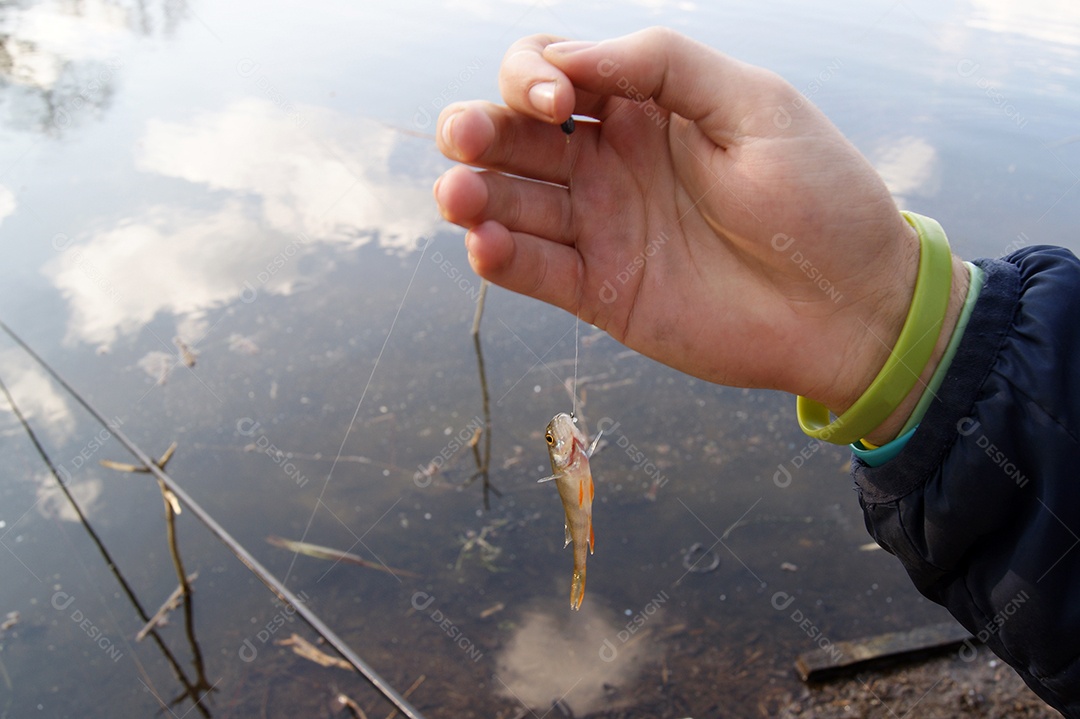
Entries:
{"x":674,"y":72}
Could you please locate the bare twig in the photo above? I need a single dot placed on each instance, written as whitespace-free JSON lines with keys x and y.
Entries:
{"x":273,"y":583}
{"x":170,"y":604}
{"x":190,"y":689}
{"x":307,"y":650}
{"x":354,"y":708}
{"x":483,"y":463}
{"x":419,"y":680}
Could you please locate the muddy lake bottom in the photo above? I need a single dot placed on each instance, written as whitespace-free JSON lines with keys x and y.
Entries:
{"x":696,"y":679}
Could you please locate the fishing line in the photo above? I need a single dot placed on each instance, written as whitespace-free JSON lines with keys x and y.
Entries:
{"x":356,"y":412}
{"x":577,"y":329}
{"x":272,"y":583}
{"x":568,"y":128}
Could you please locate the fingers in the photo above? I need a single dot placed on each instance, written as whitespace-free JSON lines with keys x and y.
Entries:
{"x":470,"y":198}
{"x":526,"y":264}
{"x":655,"y":65}
{"x":486,"y":135}
{"x":653,"y":72}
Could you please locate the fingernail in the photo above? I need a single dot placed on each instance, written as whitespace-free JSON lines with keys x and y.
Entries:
{"x":447,"y":135}
{"x":469,"y":250}
{"x":542,"y":97}
{"x":565,"y":48}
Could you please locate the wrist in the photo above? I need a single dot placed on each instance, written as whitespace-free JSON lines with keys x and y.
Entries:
{"x":899,"y":357}
{"x":890,"y":428}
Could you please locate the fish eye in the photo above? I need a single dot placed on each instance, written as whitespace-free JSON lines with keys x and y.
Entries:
{"x":549,"y":438}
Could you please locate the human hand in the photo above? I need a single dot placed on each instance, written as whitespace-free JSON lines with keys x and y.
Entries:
{"x":713,"y":219}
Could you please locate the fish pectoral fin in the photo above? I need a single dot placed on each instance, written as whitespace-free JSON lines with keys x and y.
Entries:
{"x":546,"y":479}
{"x":592,"y":538}
{"x":566,"y":530}
{"x":596,"y":441}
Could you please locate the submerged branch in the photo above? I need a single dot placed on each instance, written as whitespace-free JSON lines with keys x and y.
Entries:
{"x":273,"y":583}
{"x":334,"y":555}
{"x":483,"y":463}
{"x":194,"y":690}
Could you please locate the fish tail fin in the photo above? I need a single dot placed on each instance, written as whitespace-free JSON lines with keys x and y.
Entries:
{"x":577,"y":588}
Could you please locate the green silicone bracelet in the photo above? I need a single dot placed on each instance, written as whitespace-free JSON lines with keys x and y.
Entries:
{"x":908,"y":358}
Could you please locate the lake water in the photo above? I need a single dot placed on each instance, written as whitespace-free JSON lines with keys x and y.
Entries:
{"x":255,"y":182}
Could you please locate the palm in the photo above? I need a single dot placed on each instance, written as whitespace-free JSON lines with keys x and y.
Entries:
{"x":669,"y":246}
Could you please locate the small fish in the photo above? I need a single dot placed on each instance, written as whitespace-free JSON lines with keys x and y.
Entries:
{"x":569,"y":452}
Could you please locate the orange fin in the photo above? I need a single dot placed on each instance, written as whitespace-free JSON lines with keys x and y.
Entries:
{"x":592,"y":489}
{"x":580,"y":494}
{"x":592,"y":537}
{"x":577,"y":589}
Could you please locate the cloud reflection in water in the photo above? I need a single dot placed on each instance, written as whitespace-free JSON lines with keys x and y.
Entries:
{"x":557,"y":654}
{"x":276,"y":190}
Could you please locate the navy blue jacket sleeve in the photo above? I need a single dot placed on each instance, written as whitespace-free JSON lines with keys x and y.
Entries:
{"x":982,"y":506}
